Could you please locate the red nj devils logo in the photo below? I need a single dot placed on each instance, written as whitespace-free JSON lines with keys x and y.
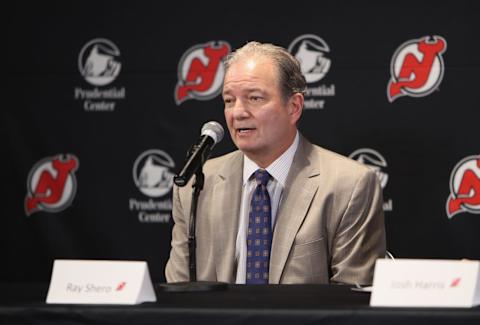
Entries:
{"x":417,"y":68}
{"x":200,"y":72}
{"x":465,"y":187}
{"x":51,"y":184}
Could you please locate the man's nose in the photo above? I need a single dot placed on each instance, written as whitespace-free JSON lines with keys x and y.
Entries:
{"x":240,"y":110}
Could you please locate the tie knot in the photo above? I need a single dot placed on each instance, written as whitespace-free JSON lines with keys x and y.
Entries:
{"x":262,"y":177}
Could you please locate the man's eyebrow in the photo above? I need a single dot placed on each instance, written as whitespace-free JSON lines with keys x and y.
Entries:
{"x":246,"y":90}
{"x":226,"y":92}
{"x":253,"y":89}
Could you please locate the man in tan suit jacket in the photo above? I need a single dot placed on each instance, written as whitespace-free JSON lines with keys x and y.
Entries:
{"x":329,"y":224}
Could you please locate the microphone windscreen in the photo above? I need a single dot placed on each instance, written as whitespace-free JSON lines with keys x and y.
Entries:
{"x":214,"y":130}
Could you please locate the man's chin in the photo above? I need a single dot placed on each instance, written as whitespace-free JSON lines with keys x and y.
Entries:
{"x":246,"y":148}
{"x":250,"y":152}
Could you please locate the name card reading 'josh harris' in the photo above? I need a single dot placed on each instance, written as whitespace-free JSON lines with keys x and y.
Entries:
{"x":426,"y":283}
{"x":100,"y":282}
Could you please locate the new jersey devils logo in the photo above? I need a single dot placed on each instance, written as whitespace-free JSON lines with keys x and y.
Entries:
{"x":51,"y":184}
{"x":465,"y":187}
{"x":200,"y":72}
{"x":417,"y":68}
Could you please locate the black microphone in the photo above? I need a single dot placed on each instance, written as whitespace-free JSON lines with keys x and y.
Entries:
{"x":211,"y":134}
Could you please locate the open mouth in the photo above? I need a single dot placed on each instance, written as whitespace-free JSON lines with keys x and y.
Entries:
{"x":244,"y":130}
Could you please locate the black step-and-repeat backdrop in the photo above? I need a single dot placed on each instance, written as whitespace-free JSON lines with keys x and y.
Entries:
{"x":101,"y":101}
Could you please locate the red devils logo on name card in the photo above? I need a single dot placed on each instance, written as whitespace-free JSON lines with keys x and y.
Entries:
{"x":51,"y":184}
{"x":465,"y":187}
{"x":417,"y":68}
{"x":200,"y":72}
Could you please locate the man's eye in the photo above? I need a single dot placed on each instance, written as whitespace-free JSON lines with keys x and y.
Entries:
{"x":255,"y":98}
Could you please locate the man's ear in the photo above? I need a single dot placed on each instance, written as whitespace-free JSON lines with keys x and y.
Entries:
{"x":295,"y":104}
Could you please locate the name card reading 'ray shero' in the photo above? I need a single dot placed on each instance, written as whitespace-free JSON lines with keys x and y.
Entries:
{"x":100,"y":282}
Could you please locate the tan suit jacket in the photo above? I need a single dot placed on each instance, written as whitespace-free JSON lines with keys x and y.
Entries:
{"x":329,"y":226}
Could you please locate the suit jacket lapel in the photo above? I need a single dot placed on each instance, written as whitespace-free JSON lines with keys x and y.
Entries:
{"x":300,"y":188}
{"x":227,"y":191}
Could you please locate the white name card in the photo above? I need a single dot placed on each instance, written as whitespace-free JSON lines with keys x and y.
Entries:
{"x":100,"y":282}
{"x":426,"y":283}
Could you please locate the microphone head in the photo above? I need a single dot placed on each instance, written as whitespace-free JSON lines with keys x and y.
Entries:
{"x":214,"y":130}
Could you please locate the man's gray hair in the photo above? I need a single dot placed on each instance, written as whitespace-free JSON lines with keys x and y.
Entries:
{"x":291,"y":78}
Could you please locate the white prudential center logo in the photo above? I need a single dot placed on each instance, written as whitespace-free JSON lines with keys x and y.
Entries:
{"x":98,"y":63}
{"x":313,"y":54}
{"x":152,"y":173}
{"x":375,"y":161}
{"x":310,"y":51}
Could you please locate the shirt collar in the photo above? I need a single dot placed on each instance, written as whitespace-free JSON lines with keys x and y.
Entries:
{"x":277,"y":169}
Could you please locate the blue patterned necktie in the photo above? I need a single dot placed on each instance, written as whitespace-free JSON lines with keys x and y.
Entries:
{"x":259,"y":237}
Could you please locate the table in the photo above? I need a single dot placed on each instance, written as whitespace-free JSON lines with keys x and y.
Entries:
{"x":23,"y":303}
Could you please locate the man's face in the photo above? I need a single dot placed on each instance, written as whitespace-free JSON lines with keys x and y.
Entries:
{"x":261,"y":124}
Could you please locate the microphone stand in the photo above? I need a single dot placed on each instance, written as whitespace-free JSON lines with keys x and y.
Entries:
{"x":193,"y":284}
{"x":192,"y":241}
